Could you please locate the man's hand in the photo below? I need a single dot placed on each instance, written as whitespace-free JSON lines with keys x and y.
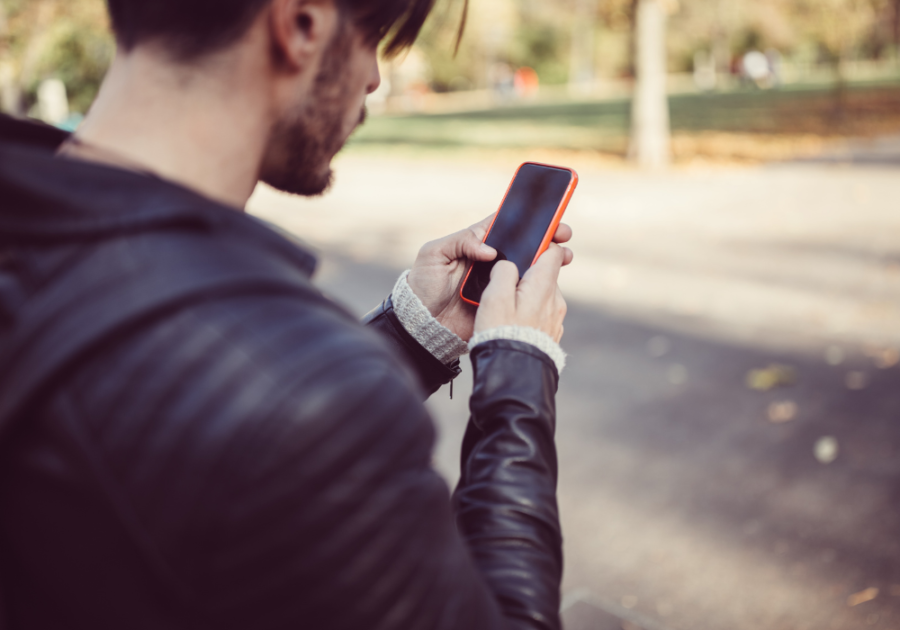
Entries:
{"x":535,"y":302}
{"x":441,"y":265}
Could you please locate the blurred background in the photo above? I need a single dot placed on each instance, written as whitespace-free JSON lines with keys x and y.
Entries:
{"x":729,"y":420}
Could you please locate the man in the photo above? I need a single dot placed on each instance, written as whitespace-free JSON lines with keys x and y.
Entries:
{"x":191,"y":436}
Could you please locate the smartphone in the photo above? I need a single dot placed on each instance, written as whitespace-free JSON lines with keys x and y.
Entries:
{"x":525,"y":224}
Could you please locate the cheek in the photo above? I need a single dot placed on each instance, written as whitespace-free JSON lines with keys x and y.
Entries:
{"x":352,"y":116}
{"x":356,"y":101}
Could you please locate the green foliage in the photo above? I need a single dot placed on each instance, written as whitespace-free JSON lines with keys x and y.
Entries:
{"x":543,"y":47}
{"x":77,"y":56}
{"x":534,"y":34}
{"x":65,"y":39}
{"x":437,"y":43}
{"x":604,"y":125}
{"x":69,"y":39}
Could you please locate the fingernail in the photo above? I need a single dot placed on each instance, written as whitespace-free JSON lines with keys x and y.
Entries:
{"x":487,"y":249}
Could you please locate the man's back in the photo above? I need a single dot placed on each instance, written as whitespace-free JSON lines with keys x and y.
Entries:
{"x":249,"y":457}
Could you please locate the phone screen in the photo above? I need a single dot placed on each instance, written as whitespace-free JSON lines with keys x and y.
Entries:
{"x":521,"y":223}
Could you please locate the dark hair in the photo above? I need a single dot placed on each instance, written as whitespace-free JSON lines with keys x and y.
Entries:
{"x":190,"y":28}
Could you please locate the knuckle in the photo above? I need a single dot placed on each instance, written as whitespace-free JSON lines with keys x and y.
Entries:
{"x":430,"y":246}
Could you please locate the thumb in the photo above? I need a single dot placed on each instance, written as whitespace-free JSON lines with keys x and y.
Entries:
{"x":467,"y":244}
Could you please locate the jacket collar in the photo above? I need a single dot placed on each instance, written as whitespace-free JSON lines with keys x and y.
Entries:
{"x":47,"y":198}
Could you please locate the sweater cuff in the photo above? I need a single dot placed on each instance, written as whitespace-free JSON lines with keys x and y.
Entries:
{"x":537,"y":338}
{"x":441,"y":342}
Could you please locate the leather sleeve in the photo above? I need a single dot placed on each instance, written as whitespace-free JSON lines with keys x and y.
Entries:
{"x":265,"y":464}
{"x":432,"y":373}
{"x":506,"y":498}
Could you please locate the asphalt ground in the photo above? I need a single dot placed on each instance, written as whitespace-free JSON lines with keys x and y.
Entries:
{"x":729,"y":419}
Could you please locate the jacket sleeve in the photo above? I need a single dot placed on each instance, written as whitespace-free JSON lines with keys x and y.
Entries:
{"x":505,"y":501}
{"x":431,"y":372}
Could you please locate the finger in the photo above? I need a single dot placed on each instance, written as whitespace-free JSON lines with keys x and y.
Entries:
{"x":568,"y":256}
{"x":546,"y":270}
{"x":563,"y":234}
{"x":561,"y":305}
{"x":502,"y":286}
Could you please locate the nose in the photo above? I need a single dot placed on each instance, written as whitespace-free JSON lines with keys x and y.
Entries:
{"x":374,"y":78}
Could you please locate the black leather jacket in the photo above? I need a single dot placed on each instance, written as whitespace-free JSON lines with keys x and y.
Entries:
{"x":245,"y":457}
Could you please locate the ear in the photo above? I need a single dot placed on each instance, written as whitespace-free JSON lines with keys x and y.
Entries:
{"x":301,"y":30}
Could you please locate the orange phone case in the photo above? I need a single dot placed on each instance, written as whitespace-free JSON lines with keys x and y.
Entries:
{"x":554,"y":224}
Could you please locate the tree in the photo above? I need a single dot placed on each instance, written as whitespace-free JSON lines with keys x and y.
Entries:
{"x":581,"y":60}
{"x":64,"y":39}
{"x":839,"y":27}
{"x":895,"y":27}
{"x":650,"y":134}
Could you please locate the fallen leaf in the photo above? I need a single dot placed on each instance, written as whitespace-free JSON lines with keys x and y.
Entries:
{"x":782,"y":411}
{"x":862,"y":597}
{"x":885,"y":358}
{"x":775,"y":375}
{"x":826,"y":449}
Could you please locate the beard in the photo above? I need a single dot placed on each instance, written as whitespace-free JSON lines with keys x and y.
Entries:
{"x":304,"y":142}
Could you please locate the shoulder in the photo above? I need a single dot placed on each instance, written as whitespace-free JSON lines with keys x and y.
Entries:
{"x":245,"y":354}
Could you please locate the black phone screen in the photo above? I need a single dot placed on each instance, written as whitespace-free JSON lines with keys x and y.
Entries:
{"x":521,"y":223}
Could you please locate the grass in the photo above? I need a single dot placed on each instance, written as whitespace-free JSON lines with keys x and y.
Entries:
{"x":744,"y":126}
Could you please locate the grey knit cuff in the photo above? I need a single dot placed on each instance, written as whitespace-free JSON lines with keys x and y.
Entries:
{"x":537,"y":338}
{"x":441,"y":342}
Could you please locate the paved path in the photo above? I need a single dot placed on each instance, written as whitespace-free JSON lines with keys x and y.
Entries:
{"x":684,"y":504}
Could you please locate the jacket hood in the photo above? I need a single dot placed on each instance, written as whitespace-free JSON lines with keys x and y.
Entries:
{"x":46,"y":198}
{"x":87,"y":250}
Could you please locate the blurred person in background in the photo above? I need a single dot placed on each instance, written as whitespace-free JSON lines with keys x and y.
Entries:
{"x":191,"y":435}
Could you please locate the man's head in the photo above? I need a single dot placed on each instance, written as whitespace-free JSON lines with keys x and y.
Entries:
{"x":320,"y":63}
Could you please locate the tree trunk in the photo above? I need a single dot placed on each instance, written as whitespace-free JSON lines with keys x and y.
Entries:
{"x":839,"y":109}
{"x":896,"y":28}
{"x":650,"y":134}
{"x":17,"y":76}
{"x":10,"y":95}
{"x":581,"y":60}
{"x":721,"y":44}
